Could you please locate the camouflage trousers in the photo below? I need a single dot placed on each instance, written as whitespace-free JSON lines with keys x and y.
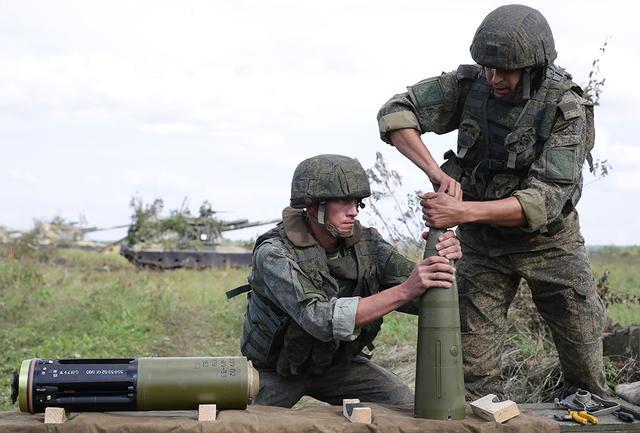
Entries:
{"x":564,"y":292}
{"x":358,"y":378}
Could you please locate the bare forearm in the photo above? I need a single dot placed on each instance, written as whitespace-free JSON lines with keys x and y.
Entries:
{"x":433,"y":271}
{"x":505,"y":212}
{"x":374,"y":307}
{"x":440,"y":210}
{"x":409,"y":143}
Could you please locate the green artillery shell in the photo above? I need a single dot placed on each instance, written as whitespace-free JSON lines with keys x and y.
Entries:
{"x":118,"y":384}
{"x":183,"y":383}
{"x":439,"y":374}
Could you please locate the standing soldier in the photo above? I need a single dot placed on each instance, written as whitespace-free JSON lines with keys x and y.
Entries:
{"x":319,"y":287}
{"x":524,"y":131}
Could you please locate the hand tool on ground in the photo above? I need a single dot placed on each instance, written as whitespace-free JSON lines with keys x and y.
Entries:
{"x":586,"y":401}
{"x":592,"y":419}
{"x":577,"y":418}
{"x":624,"y":416}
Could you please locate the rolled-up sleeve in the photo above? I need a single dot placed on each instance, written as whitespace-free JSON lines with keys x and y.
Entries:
{"x":556,"y":176}
{"x":395,"y":120}
{"x":295,"y":293}
{"x":344,"y":319}
{"x":432,"y":105}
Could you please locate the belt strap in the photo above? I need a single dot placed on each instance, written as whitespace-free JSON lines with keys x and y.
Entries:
{"x":238,"y":291}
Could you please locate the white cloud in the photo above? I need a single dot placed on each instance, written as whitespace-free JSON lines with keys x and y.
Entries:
{"x":220,"y":100}
{"x":169,"y":128}
{"x":159,"y":178}
{"x":23,"y":176}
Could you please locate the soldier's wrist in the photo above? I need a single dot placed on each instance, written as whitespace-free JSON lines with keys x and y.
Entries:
{"x":404,"y":292}
{"x":469,"y":213}
{"x":433,"y":171}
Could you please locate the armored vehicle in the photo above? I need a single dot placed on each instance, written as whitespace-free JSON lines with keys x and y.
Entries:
{"x":58,"y":233}
{"x":182,"y":240}
{"x":6,"y":235}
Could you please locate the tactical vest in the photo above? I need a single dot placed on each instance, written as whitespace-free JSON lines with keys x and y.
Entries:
{"x":265,"y":326}
{"x":498,"y":141}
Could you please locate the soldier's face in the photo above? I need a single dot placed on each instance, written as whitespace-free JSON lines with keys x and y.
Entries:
{"x":502,"y":81}
{"x":342,"y":213}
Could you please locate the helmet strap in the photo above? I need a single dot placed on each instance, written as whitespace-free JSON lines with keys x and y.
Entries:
{"x":338,"y":234}
{"x":322,"y":213}
{"x":322,"y":219}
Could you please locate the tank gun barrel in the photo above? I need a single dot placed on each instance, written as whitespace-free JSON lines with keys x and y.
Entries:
{"x":243,"y":224}
{"x":102,"y":229}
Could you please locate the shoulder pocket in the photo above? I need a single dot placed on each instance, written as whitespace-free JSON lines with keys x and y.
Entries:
{"x":559,"y":164}
{"x":427,"y":93}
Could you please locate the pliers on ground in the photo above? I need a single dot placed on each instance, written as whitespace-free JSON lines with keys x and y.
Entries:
{"x":585,"y":415}
{"x":581,"y":417}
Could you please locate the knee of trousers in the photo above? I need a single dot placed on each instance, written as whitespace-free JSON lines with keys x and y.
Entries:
{"x":577,"y":321}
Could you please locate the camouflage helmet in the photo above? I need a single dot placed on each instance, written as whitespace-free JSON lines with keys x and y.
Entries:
{"x":513,"y":37}
{"x":323,"y":177}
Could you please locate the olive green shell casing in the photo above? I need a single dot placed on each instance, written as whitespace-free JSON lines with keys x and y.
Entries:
{"x":26,"y":370}
{"x":123,"y":384}
{"x":439,"y":374}
{"x":182,"y":383}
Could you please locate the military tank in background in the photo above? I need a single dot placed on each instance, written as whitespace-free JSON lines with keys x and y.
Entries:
{"x":7,"y":235}
{"x":182,"y":240}
{"x":57,"y":233}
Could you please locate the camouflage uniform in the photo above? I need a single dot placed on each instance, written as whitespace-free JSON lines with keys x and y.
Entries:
{"x":531,"y":147}
{"x":299,"y":328}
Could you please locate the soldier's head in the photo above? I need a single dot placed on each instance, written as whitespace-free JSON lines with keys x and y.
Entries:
{"x":503,"y":82}
{"x":513,"y":43}
{"x":331,"y":188}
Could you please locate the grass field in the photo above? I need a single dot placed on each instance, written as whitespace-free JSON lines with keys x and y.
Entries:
{"x":623,"y":269}
{"x":72,"y":303}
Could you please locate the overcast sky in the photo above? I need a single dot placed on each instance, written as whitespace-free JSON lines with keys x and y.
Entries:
{"x":104,"y":100}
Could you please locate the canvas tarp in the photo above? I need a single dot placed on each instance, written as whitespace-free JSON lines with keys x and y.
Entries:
{"x":265,"y":419}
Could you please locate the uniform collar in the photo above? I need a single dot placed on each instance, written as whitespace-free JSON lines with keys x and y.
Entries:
{"x":298,"y":232}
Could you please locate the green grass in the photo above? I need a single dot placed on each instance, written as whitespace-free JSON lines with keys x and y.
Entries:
{"x":82,"y":304}
{"x":623,"y":270}
{"x":71,"y":303}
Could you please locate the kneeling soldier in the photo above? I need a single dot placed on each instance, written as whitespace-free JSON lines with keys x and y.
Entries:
{"x":320,"y":286}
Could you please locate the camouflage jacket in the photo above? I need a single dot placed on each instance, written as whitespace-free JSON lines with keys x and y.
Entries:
{"x":290,"y":287}
{"x":539,"y":162}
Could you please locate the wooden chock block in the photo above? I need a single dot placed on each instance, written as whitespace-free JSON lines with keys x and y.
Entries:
{"x":347,"y":401}
{"x":207,"y":412}
{"x":355,"y":411}
{"x":499,"y":411}
{"x":55,"y":415}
